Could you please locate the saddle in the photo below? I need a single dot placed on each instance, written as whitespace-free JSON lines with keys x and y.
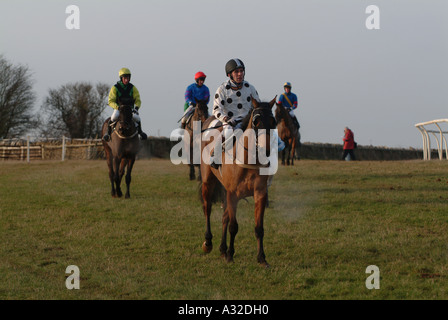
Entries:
{"x":187,"y":121}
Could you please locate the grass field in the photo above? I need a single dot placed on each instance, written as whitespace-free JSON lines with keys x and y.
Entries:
{"x":328,"y":221}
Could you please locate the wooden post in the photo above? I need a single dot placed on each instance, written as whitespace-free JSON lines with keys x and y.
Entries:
{"x":63,"y":148}
{"x":28,"y":149}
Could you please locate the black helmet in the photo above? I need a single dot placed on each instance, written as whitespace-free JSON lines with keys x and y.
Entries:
{"x":234,"y":64}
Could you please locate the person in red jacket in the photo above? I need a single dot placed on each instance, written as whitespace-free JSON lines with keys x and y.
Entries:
{"x":349,"y":144}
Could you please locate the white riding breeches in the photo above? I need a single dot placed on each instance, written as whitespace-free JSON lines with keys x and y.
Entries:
{"x":291,"y":113}
{"x":116,"y":115}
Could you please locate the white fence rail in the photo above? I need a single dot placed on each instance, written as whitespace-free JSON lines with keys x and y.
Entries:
{"x":434,"y":128}
{"x":62,"y":148}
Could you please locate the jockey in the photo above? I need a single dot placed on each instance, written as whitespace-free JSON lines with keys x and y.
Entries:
{"x":124,"y":92}
{"x":195,"y":91}
{"x":289,"y":102}
{"x":232,"y":101}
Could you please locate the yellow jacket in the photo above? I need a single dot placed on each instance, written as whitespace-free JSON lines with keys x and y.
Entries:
{"x":113,"y":94}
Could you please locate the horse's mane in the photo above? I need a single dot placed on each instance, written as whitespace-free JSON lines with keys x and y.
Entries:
{"x":281,"y":113}
{"x":201,"y":105}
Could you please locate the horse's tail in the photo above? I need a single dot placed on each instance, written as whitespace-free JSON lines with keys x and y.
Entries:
{"x":218,"y":192}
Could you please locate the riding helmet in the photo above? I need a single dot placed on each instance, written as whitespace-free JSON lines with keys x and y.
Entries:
{"x":199,"y":74}
{"x":124,"y":72}
{"x":234,"y":64}
{"x":287,"y":84}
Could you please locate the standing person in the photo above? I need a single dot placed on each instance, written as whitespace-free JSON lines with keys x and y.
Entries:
{"x":349,"y":144}
{"x":124,"y":93}
{"x":289,"y":102}
{"x":195,"y":91}
{"x":232,"y":101}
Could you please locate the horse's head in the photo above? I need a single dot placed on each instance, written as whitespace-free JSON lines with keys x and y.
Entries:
{"x":262,"y":121}
{"x":262,"y":117}
{"x":201,"y":110}
{"x":125,"y":125}
{"x":282,"y":113}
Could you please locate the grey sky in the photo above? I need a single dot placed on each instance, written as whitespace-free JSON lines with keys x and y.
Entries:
{"x":377,"y":82}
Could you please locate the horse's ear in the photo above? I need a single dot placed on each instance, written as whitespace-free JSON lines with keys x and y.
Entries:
{"x":273,"y":101}
{"x":254,"y":102}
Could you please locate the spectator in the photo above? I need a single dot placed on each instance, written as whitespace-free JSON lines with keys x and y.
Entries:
{"x":349,"y":144}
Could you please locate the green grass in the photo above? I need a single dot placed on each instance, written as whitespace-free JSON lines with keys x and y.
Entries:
{"x":327,"y":222}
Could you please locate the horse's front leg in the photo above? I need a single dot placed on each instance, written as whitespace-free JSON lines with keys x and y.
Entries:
{"x":293,"y":150}
{"x":230,"y":212}
{"x":110,"y":164}
{"x":225,"y":224}
{"x":128,"y":177}
{"x":199,"y":173}
{"x":192,"y":175}
{"x":260,"y":199}
{"x":207,"y":193}
{"x":117,"y":177}
{"x":288,"y":157}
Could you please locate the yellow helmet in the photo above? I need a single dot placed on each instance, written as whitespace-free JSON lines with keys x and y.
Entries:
{"x":287,"y":84}
{"x":124,"y":71}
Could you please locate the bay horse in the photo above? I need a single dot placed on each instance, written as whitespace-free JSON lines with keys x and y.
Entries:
{"x":200,"y":114}
{"x":237,"y":182}
{"x":288,"y":132}
{"x":121,"y":150}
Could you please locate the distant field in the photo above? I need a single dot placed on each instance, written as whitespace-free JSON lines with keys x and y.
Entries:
{"x":328,"y":221}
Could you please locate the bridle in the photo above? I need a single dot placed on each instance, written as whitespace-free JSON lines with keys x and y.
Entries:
{"x":127,"y":123}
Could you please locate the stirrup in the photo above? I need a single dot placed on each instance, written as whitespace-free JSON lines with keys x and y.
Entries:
{"x":106,"y":137}
{"x":214,"y":165}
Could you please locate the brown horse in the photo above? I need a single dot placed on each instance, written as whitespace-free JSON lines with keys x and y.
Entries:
{"x":121,"y":150}
{"x":288,"y":132}
{"x":239,"y":181}
{"x":200,"y":114}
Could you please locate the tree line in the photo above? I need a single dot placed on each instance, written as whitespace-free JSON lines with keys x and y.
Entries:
{"x":74,"y":109}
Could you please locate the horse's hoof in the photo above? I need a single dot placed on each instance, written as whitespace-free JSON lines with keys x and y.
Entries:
{"x":265,"y":265}
{"x":207,"y":248}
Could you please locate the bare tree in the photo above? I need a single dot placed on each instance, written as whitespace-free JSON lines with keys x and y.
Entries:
{"x":16,"y":99}
{"x":75,"y":110}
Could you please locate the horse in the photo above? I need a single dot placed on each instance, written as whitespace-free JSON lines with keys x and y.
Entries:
{"x":237,"y":181}
{"x":288,"y":132}
{"x":200,"y":114}
{"x":121,"y":150}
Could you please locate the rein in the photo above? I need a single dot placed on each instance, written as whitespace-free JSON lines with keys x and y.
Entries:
{"x":125,"y":137}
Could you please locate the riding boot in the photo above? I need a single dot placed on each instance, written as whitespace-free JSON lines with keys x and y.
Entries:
{"x":106,"y":137}
{"x":183,"y":124}
{"x":214,"y":161}
{"x":143,"y":135}
{"x":296,"y":122}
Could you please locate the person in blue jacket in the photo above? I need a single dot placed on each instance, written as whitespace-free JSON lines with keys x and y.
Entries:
{"x":195,"y":91}
{"x":289,"y":102}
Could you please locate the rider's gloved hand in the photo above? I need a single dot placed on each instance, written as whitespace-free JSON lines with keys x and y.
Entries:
{"x":232,"y":122}
{"x":239,"y":125}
